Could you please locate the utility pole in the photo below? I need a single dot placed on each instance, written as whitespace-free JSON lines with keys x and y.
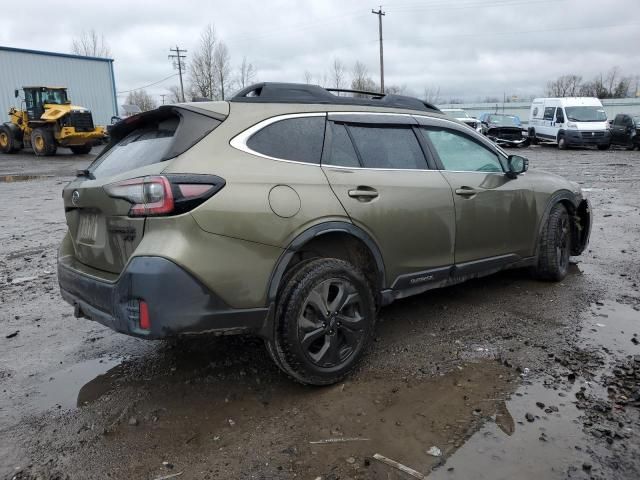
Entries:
{"x":380,"y":13}
{"x":163,"y":95}
{"x":178,"y":56}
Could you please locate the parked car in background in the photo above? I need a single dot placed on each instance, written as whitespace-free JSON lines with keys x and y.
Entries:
{"x":571,"y":121}
{"x":625,"y":131}
{"x":278,"y":213}
{"x":462,"y":116}
{"x":504,"y":130}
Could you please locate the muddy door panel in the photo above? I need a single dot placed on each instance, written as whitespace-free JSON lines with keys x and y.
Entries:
{"x":494,"y":215}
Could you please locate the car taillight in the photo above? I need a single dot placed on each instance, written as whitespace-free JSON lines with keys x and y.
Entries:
{"x":165,"y":195}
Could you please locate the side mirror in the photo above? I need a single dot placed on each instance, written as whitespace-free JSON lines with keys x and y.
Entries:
{"x":517,"y":165}
{"x":16,"y":93}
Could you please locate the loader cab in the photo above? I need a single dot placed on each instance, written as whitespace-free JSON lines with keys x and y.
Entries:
{"x":37,"y":97}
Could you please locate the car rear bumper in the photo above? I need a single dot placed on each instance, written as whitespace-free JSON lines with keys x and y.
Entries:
{"x":177,"y":302}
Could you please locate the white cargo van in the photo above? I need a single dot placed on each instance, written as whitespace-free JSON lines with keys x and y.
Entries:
{"x":569,"y":121}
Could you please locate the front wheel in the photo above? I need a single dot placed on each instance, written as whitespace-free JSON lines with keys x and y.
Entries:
{"x":555,"y":246}
{"x":604,"y":147}
{"x":325,"y":318}
{"x":42,"y":142}
{"x":562,"y":142}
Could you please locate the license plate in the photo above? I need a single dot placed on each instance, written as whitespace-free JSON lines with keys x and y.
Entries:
{"x":88,"y":228}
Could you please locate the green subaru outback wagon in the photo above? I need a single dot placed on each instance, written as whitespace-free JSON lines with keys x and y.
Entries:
{"x":294,"y":213}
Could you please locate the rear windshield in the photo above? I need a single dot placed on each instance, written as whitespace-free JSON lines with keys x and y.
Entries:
{"x":152,"y":137}
{"x":143,"y":146}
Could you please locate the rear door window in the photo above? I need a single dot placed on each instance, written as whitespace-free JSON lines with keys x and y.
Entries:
{"x":298,"y":139}
{"x":340,"y":151}
{"x":388,"y":147}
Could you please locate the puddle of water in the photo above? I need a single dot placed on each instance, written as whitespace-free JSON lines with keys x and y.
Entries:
{"x":77,"y":385}
{"x":612,"y":325}
{"x":546,"y":448}
{"x":554,"y":445}
{"x":21,"y":178}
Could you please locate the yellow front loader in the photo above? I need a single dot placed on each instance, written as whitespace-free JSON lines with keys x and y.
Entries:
{"x":48,"y":121}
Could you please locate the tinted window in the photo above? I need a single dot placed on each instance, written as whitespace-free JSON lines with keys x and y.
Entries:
{"x":548,"y":113}
{"x":341,"y":151}
{"x":559,"y":115}
{"x":298,"y":139}
{"x":388,"y":147}
{"x":619,"y":120}
{"x":143,"y":146}
{"x":460,"y":153}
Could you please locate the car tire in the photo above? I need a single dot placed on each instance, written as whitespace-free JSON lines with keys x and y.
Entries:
{"x":81,"y":149}
{"x":554,"y":249}
{"x":562,"y":142}
{"x":8,"y":142}
{"x":324,"y":321}
{"x":42,"y":142}
{"x":604,"y":147}
{"x":532,"y":136}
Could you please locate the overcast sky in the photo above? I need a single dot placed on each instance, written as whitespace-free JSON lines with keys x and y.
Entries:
{"x":467,"y":48}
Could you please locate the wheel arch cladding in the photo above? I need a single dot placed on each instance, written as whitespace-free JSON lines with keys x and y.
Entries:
{"x":339,"y":240}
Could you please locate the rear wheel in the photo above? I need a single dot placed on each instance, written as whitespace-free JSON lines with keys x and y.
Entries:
{"x":532,"y":136}
{"x":555,"y":246}
{"x":81,"y":149}
{"x":325,"y":318}
{"x":42,"y":142}
{"x":8,"y":142}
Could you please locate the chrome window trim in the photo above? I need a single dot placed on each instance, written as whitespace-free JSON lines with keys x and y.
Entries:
{"x":385,"y":169}
{"x":239,"y":142}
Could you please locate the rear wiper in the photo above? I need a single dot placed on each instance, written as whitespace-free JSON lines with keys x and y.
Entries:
{"x":85,"y":173}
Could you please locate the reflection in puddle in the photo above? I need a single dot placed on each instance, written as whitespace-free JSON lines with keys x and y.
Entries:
{"x":550,"y":443}
{"x":81,"y":383}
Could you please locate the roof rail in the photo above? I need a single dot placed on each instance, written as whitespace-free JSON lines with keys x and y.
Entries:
{"x":272,"y":92}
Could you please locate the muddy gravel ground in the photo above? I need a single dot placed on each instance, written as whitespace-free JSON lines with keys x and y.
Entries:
{"x":506,"y":376}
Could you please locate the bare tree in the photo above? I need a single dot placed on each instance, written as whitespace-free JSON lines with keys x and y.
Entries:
{"x":90,"y":44}
{"x":431,"y":95}
{"x":338,"y":73}
{"x":564,"y":86}
{"x":396,"y":89}
{"x":202,"y":72}
{"x":361,"y":80}
{"x":175,"y":96}
{"x":247,"y":74}
{"x":142,"y":99}
{"x":308,"y":77}
{"x":222,"y":67}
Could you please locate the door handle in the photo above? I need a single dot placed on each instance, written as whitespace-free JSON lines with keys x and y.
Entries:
{"x":364,"y":194}
{"x":467,"y":191}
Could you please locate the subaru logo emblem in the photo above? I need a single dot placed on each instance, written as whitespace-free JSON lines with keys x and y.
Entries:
{"x":593,"y":134}
{"x":75,"y":197}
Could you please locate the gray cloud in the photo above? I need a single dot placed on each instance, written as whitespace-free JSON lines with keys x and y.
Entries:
{"x":469,"y":49}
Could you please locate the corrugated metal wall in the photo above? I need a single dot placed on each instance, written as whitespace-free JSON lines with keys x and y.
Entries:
{"x":89,"y":82}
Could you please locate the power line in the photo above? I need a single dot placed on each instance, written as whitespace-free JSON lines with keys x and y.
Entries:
{"x":380,"y":14}
{"x":147,"y":86}
{"x":178,"y":56}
